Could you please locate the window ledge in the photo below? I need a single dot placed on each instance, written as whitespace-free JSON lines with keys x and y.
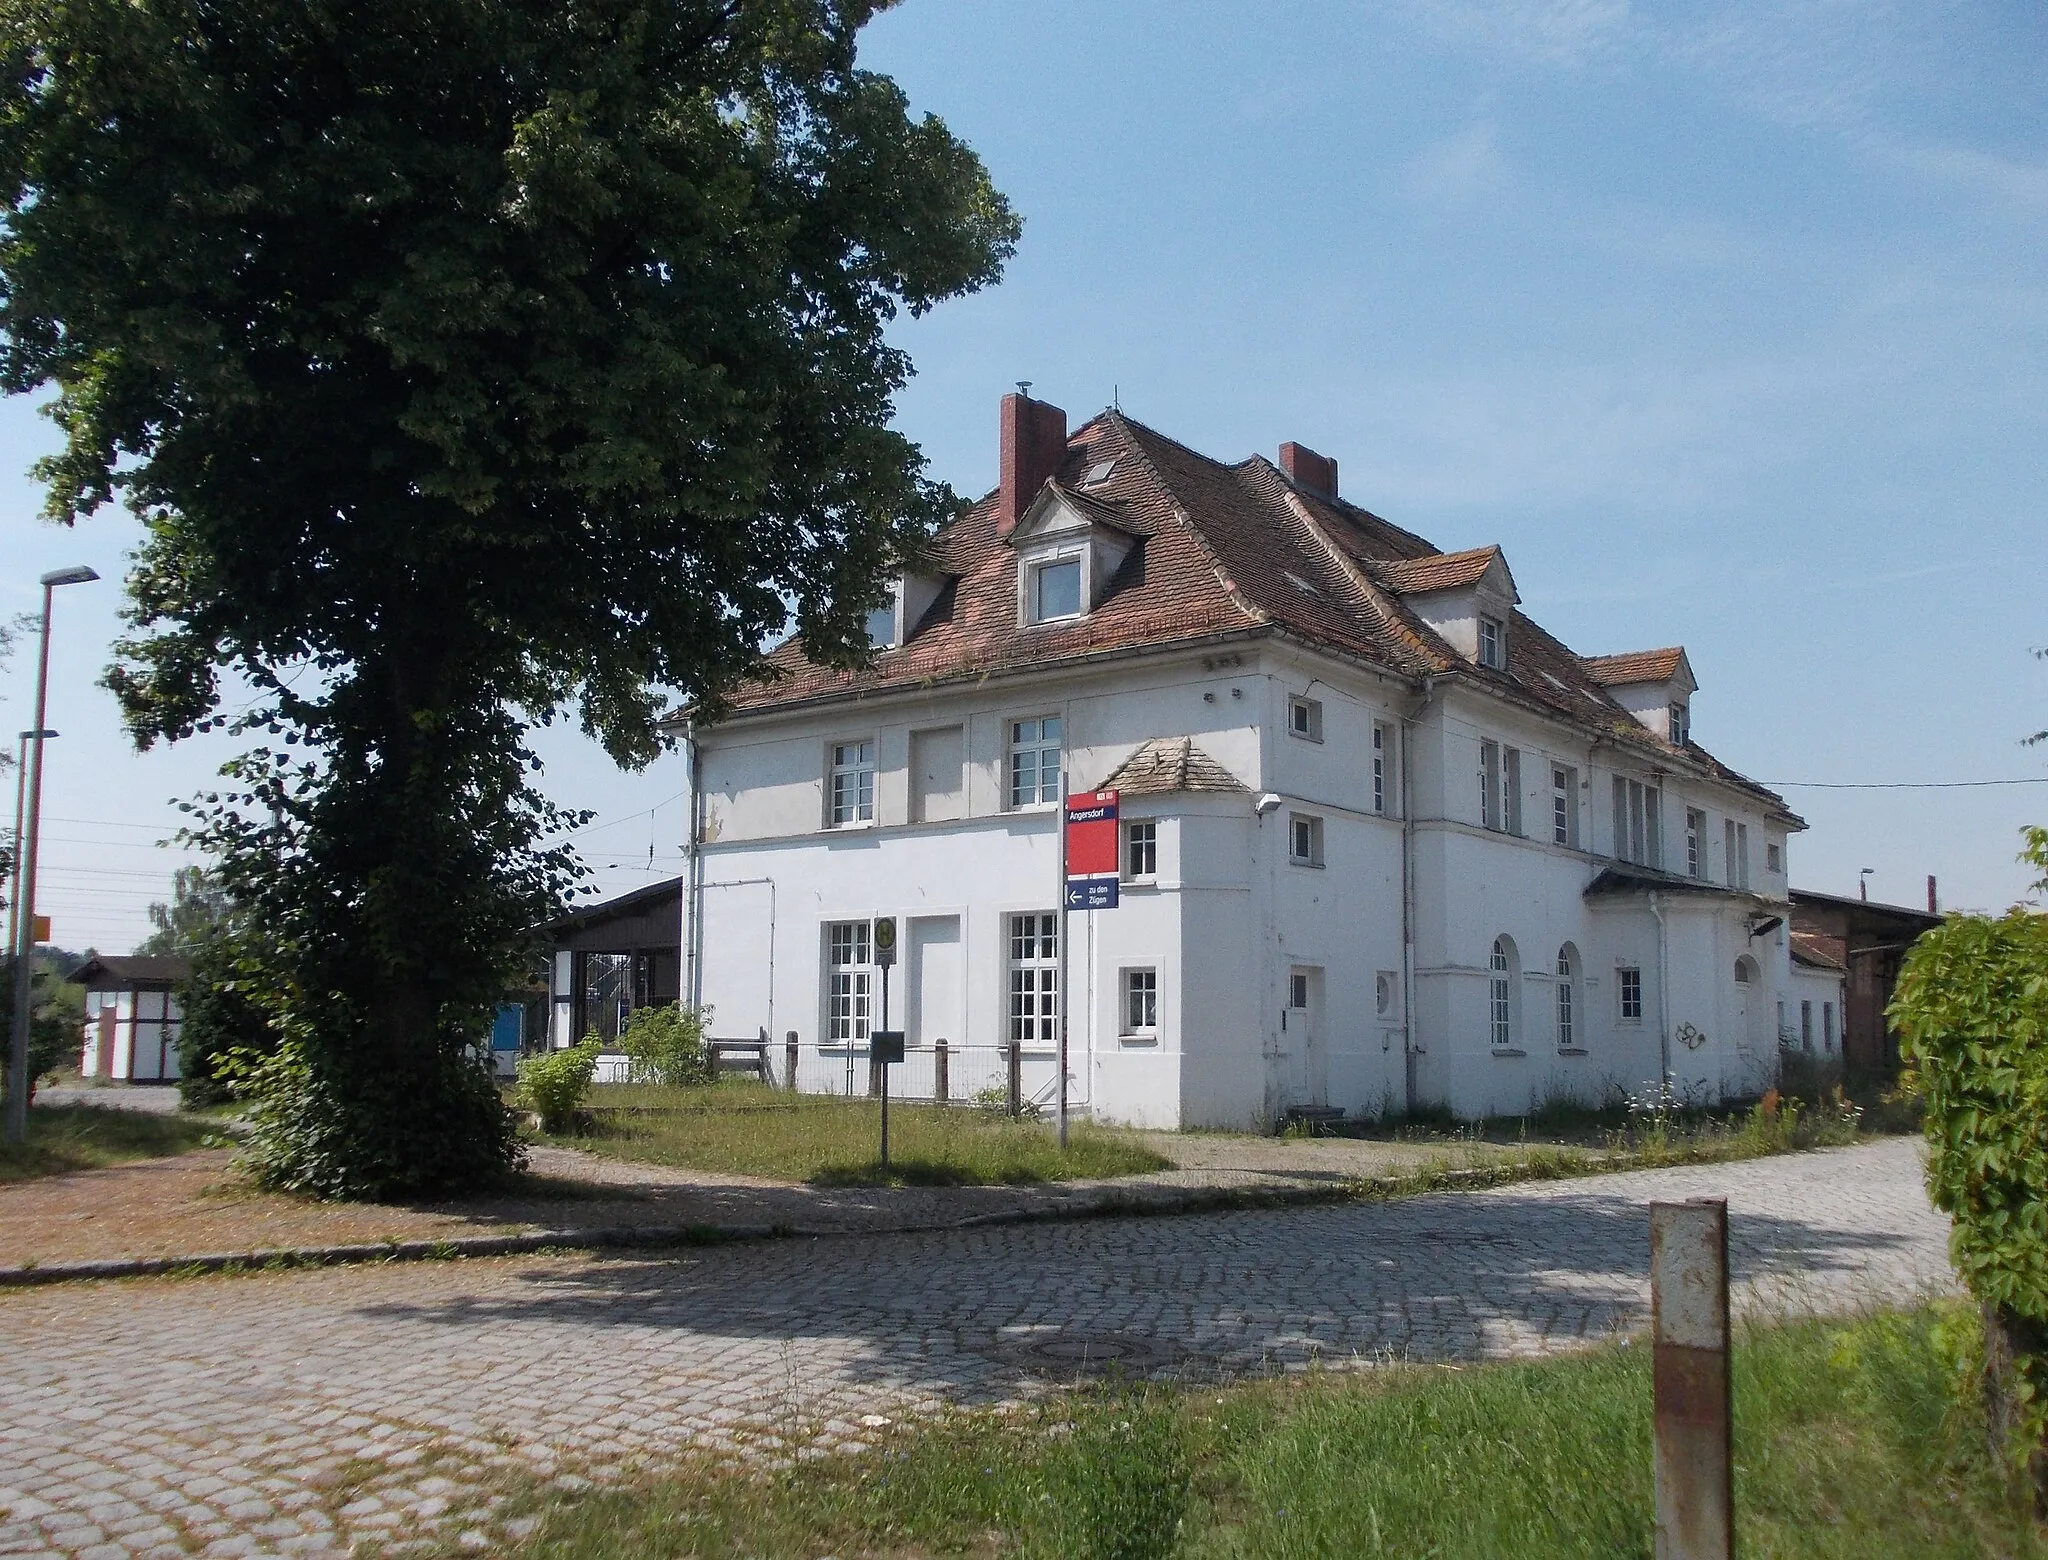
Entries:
{"x":1142,"y":1042}
{"x":1509,"y":1050}
{"x":1573,"y":1050}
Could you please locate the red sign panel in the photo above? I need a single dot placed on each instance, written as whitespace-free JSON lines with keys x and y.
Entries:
{"x":1091,"y":835}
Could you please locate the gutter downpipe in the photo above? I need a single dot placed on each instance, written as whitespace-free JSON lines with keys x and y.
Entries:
{"x":1663,"y":994}
{"x":693,"y":871}
{"x":1408,"y":898}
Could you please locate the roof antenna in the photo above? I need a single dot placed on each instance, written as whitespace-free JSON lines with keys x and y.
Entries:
{"x":1116,"y":399}
{"x":1024,"y":388}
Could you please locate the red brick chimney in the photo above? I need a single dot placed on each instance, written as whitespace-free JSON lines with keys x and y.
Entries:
{"x":1307,"y":470}
{"x":1034,"y":440}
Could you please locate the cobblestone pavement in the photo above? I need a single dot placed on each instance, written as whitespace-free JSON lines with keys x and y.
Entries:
{"x":304,"y":1412}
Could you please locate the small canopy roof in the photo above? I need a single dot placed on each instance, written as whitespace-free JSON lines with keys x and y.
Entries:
{"x":112,"y":972}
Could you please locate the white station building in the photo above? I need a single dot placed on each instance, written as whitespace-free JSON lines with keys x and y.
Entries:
{"x":1386,"y":844}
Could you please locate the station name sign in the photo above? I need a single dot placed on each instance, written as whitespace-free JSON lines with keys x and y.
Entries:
{"x":1091,"y":850}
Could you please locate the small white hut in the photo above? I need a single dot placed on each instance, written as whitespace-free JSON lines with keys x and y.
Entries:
{"x":131,"y":1018}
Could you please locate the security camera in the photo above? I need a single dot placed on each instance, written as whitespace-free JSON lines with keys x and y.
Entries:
{"x":1269,"y":801}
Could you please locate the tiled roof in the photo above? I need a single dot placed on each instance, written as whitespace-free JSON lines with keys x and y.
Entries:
{"x":1816,"y":952}
{"x":1168,"y":765}
{"x":140,"y":969}
{"x":1634,"y":666}
{"x":1439,"y":571}
{"x":1224,"y":551}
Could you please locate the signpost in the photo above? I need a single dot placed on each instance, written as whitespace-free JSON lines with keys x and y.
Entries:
{"x":885,"y":1045}
{"x":1088,"y":881}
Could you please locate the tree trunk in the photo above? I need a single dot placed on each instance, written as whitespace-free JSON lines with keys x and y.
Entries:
{"x":2010,"y":1341}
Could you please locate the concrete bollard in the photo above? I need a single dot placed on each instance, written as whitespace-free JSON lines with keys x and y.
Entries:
{"x":941,"y":1072}
{"x":1695,"y":1453}
{"x":789,"y":1061}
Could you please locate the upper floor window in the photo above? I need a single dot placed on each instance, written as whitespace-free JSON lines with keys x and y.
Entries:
{"x":1141,"y":849}
{"x":1681,"y":723}
{"x":1774,"y":857}
{"x":1567,"y":997}
{"x":1500,"y":787}
{"x":1055,"y":590}
{"x":853,"y":782}
{"x":1695,"y":842}
{"x":1304,"y":840}
{"x":1564,"y":806}
{"x":1493,"y":643}
{"x":1035,"y":761}
{"x":882,"y":626}
{"x":1638,"y":823}
{"x":1735,"y":847}
{"x":1305,"y":719}
{"x":1382,"y":754}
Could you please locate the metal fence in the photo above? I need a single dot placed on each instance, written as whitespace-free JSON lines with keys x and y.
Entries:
{"x":1014,"y":1078}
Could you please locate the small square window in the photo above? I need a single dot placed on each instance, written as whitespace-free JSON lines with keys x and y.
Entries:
{"x":1774,"y":858}
{"x":1141,"y":850}
{"x":1141,"y":1002}
{"x":1304,"y":840}
{"x":1056,"y":590}
{"x":1305,"y":718}
{"x":1629,"y":983}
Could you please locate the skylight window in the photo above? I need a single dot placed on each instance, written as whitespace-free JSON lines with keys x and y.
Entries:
{"x":1301,"y":584}
{"x":1099,"y":472}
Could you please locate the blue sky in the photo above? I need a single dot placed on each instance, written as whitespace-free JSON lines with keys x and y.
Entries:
{"x":1727,"y":323}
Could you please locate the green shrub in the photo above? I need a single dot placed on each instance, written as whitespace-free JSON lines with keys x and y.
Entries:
{"x":555,"y":1082}
{"x":1972,"y":1013}
{"x":665,"y":1045}
{"x":226,"y":1030}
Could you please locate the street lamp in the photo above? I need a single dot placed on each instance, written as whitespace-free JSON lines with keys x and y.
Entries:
{"x":25,"y":895}
{"x":1863,"y":882}
{"x":14,"y":864}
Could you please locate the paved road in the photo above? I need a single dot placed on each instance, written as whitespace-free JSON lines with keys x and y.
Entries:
{"x":296,"y":1413}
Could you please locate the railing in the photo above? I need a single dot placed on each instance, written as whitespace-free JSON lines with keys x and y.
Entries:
{"x":1009,"y":1077}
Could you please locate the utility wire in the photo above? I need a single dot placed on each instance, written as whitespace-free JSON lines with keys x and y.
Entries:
{"x":1899,"y":785}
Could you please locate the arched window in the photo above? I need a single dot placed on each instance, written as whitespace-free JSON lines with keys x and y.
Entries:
{"x":1501,"y":992}
{"x":1567,"y":997}
{"x":1745,"y":971}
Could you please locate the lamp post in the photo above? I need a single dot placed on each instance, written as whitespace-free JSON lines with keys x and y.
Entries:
{"x":25,"y":897}
{"x":14,"y":863}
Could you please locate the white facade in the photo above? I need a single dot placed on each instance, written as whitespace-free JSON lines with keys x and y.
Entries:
{"x":1342,"y":950}
{"x":131,"y":1035}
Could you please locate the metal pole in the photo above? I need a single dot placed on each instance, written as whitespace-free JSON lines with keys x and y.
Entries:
{"x":14,"y":866}
{"x":1060,"y":997}
{"x":885,"y":1070}
{"x":25,"y":916}
{"x":1694,"y":1454}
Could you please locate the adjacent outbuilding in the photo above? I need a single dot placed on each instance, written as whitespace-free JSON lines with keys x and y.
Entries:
{"x":132,"y":1017}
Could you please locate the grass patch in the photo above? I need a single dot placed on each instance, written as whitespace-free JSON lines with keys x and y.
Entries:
{"x":1850,"y":1443}
{"x":828,"y":1141}
{"x":90,"y":1137}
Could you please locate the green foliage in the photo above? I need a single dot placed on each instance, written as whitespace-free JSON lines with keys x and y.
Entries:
{"x":555,"y":1083}
{"x":1849,"y":1445}
{"x":665,"y":1045}
{"x":199,"y":905}
{"x":462,"y":301}
{"x":1972,"y":1014}
{"x":227,"y":1030}
{"x":55,"y":1025}
{"x":64,"y":1138}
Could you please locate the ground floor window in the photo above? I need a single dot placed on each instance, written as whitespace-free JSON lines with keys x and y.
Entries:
{"x":1034,"y":978}
{"x":1827,"y":1026}
{"x":1629,"y":983}
{"x":1141,"y":1002}
{"x":849,"y":980}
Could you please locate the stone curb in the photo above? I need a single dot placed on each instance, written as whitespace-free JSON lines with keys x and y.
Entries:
{"x":1117,"y":1203}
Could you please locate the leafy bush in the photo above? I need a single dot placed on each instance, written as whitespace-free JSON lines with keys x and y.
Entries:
{"x":1972,"y":1013}
{"x":226,"y":1030}
{"x":56,"y":1013}
{"x":665,"y":1045}
{"x":555,"y":1082}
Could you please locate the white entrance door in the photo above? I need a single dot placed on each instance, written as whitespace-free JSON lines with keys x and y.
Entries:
{"x":1308,"y":1080}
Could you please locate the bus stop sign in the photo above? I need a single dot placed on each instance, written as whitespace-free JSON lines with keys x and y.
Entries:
{"x":885,"y":941}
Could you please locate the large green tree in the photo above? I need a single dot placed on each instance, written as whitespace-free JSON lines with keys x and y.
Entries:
{"x":471,"y":362}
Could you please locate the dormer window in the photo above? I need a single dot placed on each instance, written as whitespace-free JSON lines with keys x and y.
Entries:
{"x":882,"y":626}
{"x":1493,"y":643}
{"x":1680,"y":719}
{"x":1055,"y":590}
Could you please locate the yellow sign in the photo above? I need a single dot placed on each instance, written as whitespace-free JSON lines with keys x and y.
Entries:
{"x":39,"y":928}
